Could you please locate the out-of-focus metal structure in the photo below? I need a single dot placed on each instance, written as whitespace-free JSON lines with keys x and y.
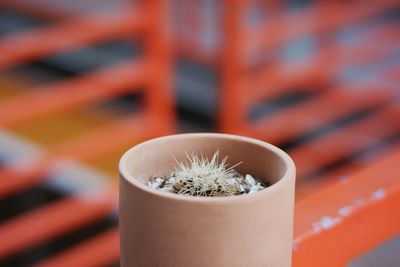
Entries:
{"x":328,"y":119}
{"x":341,"y":130}
{"x":149,"y":74}
{"x":343,"y":208}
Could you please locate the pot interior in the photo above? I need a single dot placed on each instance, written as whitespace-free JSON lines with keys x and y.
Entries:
{"x":156,"y":157}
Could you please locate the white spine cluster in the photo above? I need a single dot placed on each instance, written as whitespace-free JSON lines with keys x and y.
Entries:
{"x":202,"y":177}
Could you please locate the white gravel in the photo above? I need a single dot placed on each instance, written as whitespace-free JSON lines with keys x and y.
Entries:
{"x":245,"y":185}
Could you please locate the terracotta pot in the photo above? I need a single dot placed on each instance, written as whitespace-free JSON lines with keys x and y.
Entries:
{"x":165,"y":229}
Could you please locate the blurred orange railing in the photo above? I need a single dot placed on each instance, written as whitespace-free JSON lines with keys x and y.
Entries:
{"x":341,"y":222}
{"x":331,"y":205}
{"x":325,"y":234}
{"x":151,"y":75}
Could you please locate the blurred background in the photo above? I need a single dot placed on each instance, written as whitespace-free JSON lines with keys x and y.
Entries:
{"x":82,"y":81}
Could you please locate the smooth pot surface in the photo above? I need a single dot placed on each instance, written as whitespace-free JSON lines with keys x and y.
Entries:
{"x":164,"y":229}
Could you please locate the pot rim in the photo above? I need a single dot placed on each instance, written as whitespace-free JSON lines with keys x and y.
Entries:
{"x":289,"y":172}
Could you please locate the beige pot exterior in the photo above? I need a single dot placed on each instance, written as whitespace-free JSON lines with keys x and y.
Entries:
{"x":165,"y":229}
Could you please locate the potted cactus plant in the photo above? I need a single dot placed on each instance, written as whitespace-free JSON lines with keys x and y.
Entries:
{"x":206,"y":200}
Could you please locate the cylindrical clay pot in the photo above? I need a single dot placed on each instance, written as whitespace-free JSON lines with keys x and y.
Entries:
{"x":165,"y":229}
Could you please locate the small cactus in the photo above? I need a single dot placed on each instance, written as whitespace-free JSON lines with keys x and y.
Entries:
{"x":202,"y":177}
{"x":199,"y":176}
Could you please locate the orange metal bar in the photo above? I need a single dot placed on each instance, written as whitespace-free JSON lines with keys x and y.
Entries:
{"x":159,"y":97}
{"x":13,"y":179}
{"x":231,"y":67}
{"x":321,"y":110}
{"x":101,"y":250}
{"x":49,"y":222}
{"x":89,"y":146}
{"x":34,"y":44}
{"x":337,"y":224}
{"x":71,"y":94}
{"x":341,"y":143}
